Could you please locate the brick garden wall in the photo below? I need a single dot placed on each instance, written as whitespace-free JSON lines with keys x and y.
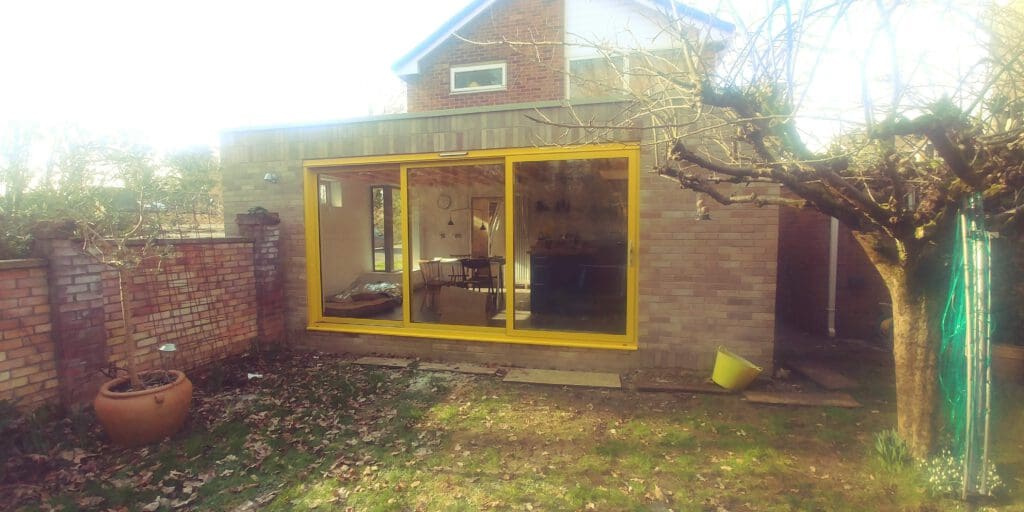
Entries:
{"x":61,"y":316}
{"x":701,"y":284}
{"x":200,"y":296}
{"x":533,"y":73}
{"x":27,"y":367}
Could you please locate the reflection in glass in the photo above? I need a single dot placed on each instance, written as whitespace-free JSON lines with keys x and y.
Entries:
{"x":457,"y":231}
{"x":571,"y":245}
{"x":361,"y":243}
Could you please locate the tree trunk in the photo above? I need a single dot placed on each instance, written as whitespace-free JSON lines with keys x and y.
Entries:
{"x":124,"y":281}
{"x":916,"y":283}
{"x":916,"y":334}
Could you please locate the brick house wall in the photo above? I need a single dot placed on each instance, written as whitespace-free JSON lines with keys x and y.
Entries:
{"x":28,"y":372}
{"x":802,"y":292}
{"x":533,"y":74}
{"x":701,"y":284}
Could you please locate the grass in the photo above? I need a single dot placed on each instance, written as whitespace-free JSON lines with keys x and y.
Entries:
{"x":317,"y":433}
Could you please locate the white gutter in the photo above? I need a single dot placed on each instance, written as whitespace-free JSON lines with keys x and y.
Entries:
{"x":833,"y":270}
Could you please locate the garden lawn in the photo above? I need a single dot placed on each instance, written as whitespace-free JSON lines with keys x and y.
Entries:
{"x":316,"y":432}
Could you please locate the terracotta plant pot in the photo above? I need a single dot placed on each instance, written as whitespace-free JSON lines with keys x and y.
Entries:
{"x":1008,"y":362}
{"x":136,"y":418}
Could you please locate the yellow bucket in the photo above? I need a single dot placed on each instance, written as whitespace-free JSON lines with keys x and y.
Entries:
{"x":732,"y":371}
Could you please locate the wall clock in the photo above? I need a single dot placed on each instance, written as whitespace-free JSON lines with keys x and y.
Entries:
{"x":444,"y":201}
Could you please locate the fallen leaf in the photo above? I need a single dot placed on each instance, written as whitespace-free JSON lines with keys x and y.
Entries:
{"x":266,"y":498}
{"x":75,"y":455}
{"x":153,"y":506}
{"x":90,"y":501}
{"x":658,"y":495}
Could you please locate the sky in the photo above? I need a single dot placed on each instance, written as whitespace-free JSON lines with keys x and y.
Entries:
{"x":174,"y":74}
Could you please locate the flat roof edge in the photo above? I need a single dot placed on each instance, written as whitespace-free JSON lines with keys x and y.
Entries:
{"x":428,"y":114}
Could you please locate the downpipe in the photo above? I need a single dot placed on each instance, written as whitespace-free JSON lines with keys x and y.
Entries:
{"x":833,"y":271}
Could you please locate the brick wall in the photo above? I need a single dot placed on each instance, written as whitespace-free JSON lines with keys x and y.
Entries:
{"x":200,"y":295}
{"x":803,"y":278}
{"x":61,"y":317}
{"x":28,"y":373}
{"x":77,"y":314}
{"x":701,"y":284}
{"x":265,"y":233}
{"x":1008,"y":289}
{"x":705,"y":283}
{"x":533,"y":72}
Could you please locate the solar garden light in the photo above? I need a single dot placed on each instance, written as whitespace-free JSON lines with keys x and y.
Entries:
{"x":167,"y":353}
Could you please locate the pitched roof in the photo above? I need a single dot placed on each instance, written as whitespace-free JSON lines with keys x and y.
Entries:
{"x":408,"y":64}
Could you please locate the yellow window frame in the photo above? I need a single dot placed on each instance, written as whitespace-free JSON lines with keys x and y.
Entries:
{"x":509,"y":334}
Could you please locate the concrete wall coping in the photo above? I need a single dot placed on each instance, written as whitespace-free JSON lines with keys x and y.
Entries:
{"x":195,"y":241}
{"x":22,"y":263}
{"x":432,"y":113}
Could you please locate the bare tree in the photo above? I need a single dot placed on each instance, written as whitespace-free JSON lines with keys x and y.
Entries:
{"x":896,"y":178}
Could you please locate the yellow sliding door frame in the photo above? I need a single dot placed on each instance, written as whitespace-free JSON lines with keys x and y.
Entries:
{"x":406,"y":327}
{"x":633,"y":158}
{"x":407,"y":254}
{"x":314,"y":265}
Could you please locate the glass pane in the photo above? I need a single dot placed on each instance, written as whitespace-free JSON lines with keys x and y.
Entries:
{"x":654,"y":72}
{"x":571,"y":245}
{"x":387,"y":228}
{"x":360,"y":251}
{"x":377,"y":198}
{"x":457,"y":229}
{"x":491,"y":77}
{"x":396,"y":226}
{"x":596,"y":78}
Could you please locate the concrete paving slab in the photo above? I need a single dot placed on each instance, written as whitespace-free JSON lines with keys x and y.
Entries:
{"x":474,"y":369}
{"x":822,"y":375}
{"x":387,"y":362}
{"x":678,"y":385}
{"x":809,"y":399}
{"x":564,"y":378}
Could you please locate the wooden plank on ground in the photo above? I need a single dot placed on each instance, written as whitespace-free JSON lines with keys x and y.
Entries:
{"x":808,"y":399}
{"x":822,"y":375}
{"x":669,"y":385}
{"x":387,"y":362}
{"x":474,"y":369}
{"x":564,"y":378}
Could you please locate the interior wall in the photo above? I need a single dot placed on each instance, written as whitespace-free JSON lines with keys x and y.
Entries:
{"x":595,"y":207}
{"x":433,"y":236}
{"x":345,"y":251}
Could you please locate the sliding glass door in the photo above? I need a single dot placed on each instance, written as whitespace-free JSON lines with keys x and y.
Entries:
{"x":528,"y":245}
{"x":457,"y":244}
{"x":571,"y":244}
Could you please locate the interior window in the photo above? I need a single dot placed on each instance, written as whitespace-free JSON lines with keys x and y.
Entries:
{"x":387,"y":228}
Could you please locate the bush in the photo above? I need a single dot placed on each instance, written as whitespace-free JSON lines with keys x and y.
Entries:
{"x":892,"y":449}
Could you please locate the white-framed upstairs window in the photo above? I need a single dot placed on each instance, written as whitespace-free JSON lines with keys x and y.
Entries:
{"x":479,"y":77}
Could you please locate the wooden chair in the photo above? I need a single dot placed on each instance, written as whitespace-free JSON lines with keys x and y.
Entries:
{"x":433,"y":281}
{"x":478,"y":274}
